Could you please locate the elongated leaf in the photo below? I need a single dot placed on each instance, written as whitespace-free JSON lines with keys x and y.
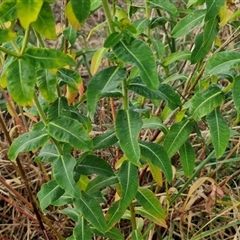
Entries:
{"x":70,"y":77}
{"x":8,"y":11}
{"x":72,"y":213}
{"x":27,"y":142}
{"x":204,"y":102}
{"x":103,"y":82}
{"x":81,"y":9}
{"x":157,"y":155}
{"x":45,"y":23}
{"x":129,"y":53}
{"x":47,"y":82}
{"x":156,"y":173}
{"x":92,"y":164}
{"x":6,"y":35}
{"x":141,"y":25}
{"x":222,"y":62}
{"x":159,"y":47}
{"x":99,"y":182}
{"x":177,"y":56}
{"x":187,"y":157}
{"x":28,"y":11}
{"x":128,"y":126}
{"x":219,"y":131}
{"x":213,"y":8}
{"x":159,"y":221}
{"x":136,"y":235}
{"x":154,"y":123}
{"x":48,"y":153}
{"x":128,"y":179}
{"x":71,"y":16}
{"x":42,"y":58}
{"x":63,"y":200}
{"x":70,"y":34}
{"x":104,"y":140}
{"x":68,"y":130}
{"x":97,"y":60}
{"x":112,"y":40}
{"x":92,"y":211}
{"x":187,"y":23}
{"x":49,"y":192}
{"x":236,"y":94}
{"x":150,"y":202}
{"x":177,"y":136}
{"x":113,"y":233}
{"x":95,"y":4}
{"x":165,"y":5}
{"x":82,"y":230}
{"x":63,"y":174}
{"x":21,"y":78}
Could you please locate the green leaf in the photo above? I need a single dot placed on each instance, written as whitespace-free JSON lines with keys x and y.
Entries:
{"x":107,"y":80}
{"x":100,"y":182}
{"x":136,"y":235}
{"x":82,"y":230}
{"x":81,"y":9}
{"x":63,"y":168}
{"x":112,"y":40}
{"x":187,"y":23}
{"x":177,"y":56}
{"x":43,"y":58}
{"x":49,"y":193}
{"x":92,"y":164}
{"x":113,"y":233}
{"x":27,"y":142}
{"x":150,"y":202}
{"x":158,"y":47}
{"x":236,"y":92}
{"x":45,"y":24}
{"x":219,"y":131}
{"x":187,"y":158}
{"x":92,"y":211}
{"x":21,"y":78}
{"x":70,"y":34}
{"x":6,"y":35}
{"x":8,"y":11}
{"x":83,"y":119}
{"x":48,"y":153}
{"x":154,"y":123}
{"x":95,"y":4}
{"x":222,"y":62}
{"x":128,"y":179}
{"x":129,"y":53}
{"x":128,"y":127}
{"x":71,"y":77}
{"x":213,"y":8}
{"x":177,"y":136}
{"x":141,"y":25}
{"x":204,"y":102}
{"x":72,"y":213}
{"x":104,"y":140}
{"x":28,"y":11}
{"x":157,"y":155}
{"x":47,"y":83}
{"x":165,"y":5}
{"x":68,"y":130}
{"x":159,"y":221}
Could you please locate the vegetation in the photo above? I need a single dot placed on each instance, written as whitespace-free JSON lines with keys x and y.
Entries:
{"x":144,"y":144}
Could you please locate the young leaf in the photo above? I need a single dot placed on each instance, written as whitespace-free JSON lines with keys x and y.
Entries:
{"x":112,"y":40}
{"x":97,"y":60}
{"x":70,"y":34}
{"x":129,"y":53}
{"x":136,"y":235}
{"x":6,"y":35}
{"x":213,"y":8}
{"x":92,"y":211}
{"x":71,"y":212}
{"x":82,"y":230}
{"x":165,"y":5}
{"x":219,"y":131}
{"x":68,"y":130}
{"x":81,"y":9}
{"x":177,"y":56}
{"x":150,"y":202}
{"x":83,"y":119}
{"x":28,"y":11}
{"x":45,"y":23}
{"x":157,"y":155}
{"x":21,"y":78}
{"x":8,"y":11}
{"x":47,"y":83}
{"x":92,"y":164}
{"x":105,"y":140}
{"x":103,"y":82}
{"x":128,"y":127}
{"x":42,"y":58}
{"x":222,"y":62}
{"x":27,"y":142}
{"x":154,"y":123}
{"x":187,"y":158}
{"x":177,"y":136}
{"x":63,"y":174}
{"x":204,"y":102}
{"x":49,"y":192}
{"x":128,"y":179}
{"x":187,"y":23}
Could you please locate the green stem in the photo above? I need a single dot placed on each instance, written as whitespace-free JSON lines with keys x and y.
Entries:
{"x":25,"y":41}
{"x":133,"y":219}
{"x":108,"y":15}
{"x":9,"y":52}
